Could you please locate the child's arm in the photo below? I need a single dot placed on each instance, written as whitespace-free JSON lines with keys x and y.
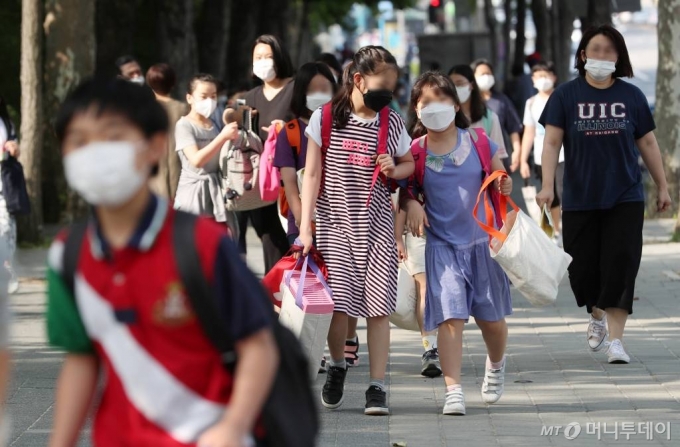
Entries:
{"x":399,"y":226}
{"x":403,"y":169}
{"x":505,"y":183}
{"x":252,"y":383}
{"x":200,"y":157}
{"x":75,"y":390}
{"x":310,"y":191}
{"x":290,"y":185}
{"x":527,"y":143}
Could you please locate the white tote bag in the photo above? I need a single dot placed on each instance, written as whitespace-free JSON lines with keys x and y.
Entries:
{"x":307,"y":310}
{"x":534,"y":264}
{"x":529,"y":194}
{"x":404,"y":316}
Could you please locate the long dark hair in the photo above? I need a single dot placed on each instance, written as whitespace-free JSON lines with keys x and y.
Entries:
{"x":282,"y":62}
{"x":369,"y":60}
{"x":477,"y":104}
{"x":624,"y":69}
{"x":4,"y":116}
{"x":305,"y":74}
{"x":441,"y":84}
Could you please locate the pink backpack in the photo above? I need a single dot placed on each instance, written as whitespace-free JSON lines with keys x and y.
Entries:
{"x":270,"y":177}
{"x":483,"y":147}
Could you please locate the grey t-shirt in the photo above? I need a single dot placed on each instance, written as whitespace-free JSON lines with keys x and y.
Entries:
{"x":188,"y":134}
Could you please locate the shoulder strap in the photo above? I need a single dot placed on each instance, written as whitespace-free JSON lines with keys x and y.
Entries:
{"x":419,"y":152}
{"x":384,"y":130}
{"x":72,"y":248}
{"x":326,"y":126}
{"x":198,"y":289}
{"x":294,"y":135}
{"x":481,"y":143}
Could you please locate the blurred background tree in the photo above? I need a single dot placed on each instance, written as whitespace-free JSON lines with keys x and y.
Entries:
{"x":82,"y":37}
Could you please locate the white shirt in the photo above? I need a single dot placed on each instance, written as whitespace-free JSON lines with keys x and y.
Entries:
{"x":314,"y":131}
{"x":4,"y":134}
{"x":532,"y":113}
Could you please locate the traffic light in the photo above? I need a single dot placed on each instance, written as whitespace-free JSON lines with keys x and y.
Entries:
{"x":436,"y":12}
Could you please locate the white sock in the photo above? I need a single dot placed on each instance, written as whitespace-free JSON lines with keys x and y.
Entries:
{"x":429,"y":342}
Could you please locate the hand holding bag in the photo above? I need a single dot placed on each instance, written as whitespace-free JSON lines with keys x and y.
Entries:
{"x":532,"y":261}
{"x":272,"y":280}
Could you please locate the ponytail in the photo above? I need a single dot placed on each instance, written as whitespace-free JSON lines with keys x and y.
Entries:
{"x":342,"y":103}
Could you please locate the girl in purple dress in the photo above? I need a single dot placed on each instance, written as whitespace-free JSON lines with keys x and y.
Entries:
{"x":462,"y":279}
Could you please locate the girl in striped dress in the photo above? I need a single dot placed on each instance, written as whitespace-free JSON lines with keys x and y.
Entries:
{"x":462,"y":279}
{"x":354,"y":221}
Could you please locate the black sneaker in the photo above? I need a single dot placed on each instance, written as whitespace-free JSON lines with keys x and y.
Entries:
{"x":431,"y":367}
{"x":376,"y":402}
{"x":333,"y":392}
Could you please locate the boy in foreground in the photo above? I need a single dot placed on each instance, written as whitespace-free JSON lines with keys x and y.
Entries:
{"x":130,"y":318}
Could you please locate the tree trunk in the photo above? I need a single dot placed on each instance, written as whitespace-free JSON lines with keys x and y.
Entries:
{"x":667,"y":109}
{"x":599,"y":13}
{"x":115,"y":26}
{"x":242,"y":33}
{"x":70,"y":47}
{"x":506,"y":58}
{"x":30,"y":228}
{"x":562,"y":25}
{"x":490,"y":20}
{"x":539,"y":12}
{"x":520,"y":39}
{"x":176,"y":38}
{"x":212,"y":34}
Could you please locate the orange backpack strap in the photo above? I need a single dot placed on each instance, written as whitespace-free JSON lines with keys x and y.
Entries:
{"x":294,"y":135}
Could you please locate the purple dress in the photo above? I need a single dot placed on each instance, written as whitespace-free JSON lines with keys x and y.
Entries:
{"x":462,"y":279}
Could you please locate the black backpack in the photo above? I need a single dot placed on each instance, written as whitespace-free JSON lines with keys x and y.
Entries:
{"x":14,"y":187}
{"x":290,"y":415}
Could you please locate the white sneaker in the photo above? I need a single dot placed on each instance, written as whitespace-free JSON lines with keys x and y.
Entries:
{"x":616,"y":353}
{"x":455,"y":403}
{"x":494,"y":382}
{"x":597,"y":333}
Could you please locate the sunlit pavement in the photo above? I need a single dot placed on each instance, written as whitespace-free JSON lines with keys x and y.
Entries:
{"x":552,"y":379}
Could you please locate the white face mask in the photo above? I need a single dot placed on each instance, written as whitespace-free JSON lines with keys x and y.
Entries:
{"x":264,"y":69}
{"x":104,"y":173}
{"x":139,"y":80}
{"x":316,"y":100}
{"x":437,"y":116}
{"x":600,"y":70}
{"x":544,"y":84}
{"x":205,"y":107}
{"x":485,"y":82}
{"x":464,"y":93}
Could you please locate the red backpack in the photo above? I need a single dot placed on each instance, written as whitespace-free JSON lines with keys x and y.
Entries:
{"x":326,"y":129}
{"x":419,"y":150}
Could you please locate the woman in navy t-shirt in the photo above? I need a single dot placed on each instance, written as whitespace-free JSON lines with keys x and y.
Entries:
{"x":602,"y":121}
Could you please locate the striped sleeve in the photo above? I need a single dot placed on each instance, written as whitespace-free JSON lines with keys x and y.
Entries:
{"x":65,"y":328}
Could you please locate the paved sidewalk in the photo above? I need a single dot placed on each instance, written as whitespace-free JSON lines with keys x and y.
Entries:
{"x":552,"y":379}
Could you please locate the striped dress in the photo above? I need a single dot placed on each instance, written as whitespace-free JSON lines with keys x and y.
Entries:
{"x":356,"y":240}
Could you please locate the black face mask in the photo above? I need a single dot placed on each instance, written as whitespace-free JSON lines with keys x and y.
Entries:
{"x":377,"y":100}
